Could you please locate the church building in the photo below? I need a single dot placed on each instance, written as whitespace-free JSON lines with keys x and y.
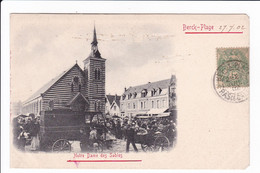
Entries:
{"x":76,"y":89}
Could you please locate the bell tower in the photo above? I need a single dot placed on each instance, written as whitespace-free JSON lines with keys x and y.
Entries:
{"x":95,"y":74}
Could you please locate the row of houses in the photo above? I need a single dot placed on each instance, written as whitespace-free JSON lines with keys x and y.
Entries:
{"x":152,"y":98}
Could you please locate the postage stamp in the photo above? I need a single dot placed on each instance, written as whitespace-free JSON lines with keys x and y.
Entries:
{"x":231,"y":79}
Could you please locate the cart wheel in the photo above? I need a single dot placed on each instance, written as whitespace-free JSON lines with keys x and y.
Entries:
{"x":161,"y":143}
{"x":147,"y":148}
{"x":61,"y":145}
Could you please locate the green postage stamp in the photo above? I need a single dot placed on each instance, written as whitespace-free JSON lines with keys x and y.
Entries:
{"x":231,"y":79}
{"x":232,"y":67}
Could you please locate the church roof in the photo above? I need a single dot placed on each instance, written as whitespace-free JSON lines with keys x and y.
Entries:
{"x":49,"y":84}
{"x":150,"y":86}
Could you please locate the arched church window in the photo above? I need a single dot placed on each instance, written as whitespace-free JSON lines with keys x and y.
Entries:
{"x":97,"y":74}
{"x":76,"y":79}
{"x":75,"y":84}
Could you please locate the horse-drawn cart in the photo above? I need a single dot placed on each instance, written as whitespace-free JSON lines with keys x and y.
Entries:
{"x":152,"y":141}
{"x":58,"y":127}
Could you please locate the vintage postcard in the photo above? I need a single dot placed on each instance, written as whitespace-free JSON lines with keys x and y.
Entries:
{"x":138,"y":91}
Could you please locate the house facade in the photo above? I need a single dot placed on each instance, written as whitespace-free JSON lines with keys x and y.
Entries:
{"x":113,"y":105}
{"x":149,"y":99}
{"x":75,"y":89}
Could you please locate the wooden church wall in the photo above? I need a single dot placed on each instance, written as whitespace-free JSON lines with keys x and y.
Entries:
{"x":60,"y":93}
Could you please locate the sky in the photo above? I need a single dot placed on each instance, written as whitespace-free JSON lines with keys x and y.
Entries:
{"x":138,"y":49}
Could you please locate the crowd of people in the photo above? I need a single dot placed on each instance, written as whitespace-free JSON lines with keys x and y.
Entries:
{"x":99,"y":131}
{"x":26,"y":132}
{"x":126,"y":129}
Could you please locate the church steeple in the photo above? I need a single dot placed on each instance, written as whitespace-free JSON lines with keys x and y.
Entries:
{"x":95,"y":77}
{"x":94,"y":42}
{"x":94,"y":48}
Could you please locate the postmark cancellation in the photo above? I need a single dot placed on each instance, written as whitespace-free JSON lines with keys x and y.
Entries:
{"x":231,"y":79}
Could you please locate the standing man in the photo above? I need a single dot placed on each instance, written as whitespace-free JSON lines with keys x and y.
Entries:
{"x":130,"y":137}
{"x":118,"y":129}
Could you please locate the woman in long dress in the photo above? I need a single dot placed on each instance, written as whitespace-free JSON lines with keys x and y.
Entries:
{"x":35,"y":144}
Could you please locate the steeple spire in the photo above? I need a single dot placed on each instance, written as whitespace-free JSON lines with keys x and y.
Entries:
{"x":94,"y":53}
{"x":94,"y":47}
{"x":94,"y":42}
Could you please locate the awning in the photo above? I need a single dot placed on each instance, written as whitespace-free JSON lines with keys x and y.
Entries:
{"x":156,"y":111}
{"x":163,"y":115}
{"x":142,"y":116}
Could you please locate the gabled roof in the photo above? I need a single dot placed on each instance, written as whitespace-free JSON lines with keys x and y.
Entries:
{"x":48,"y":85}
{"x":115,"y":102}
{"x":118,"y":101}
{"x":78,"y":95}
{"x":111,"y":98}
{"x":150,"y":86}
